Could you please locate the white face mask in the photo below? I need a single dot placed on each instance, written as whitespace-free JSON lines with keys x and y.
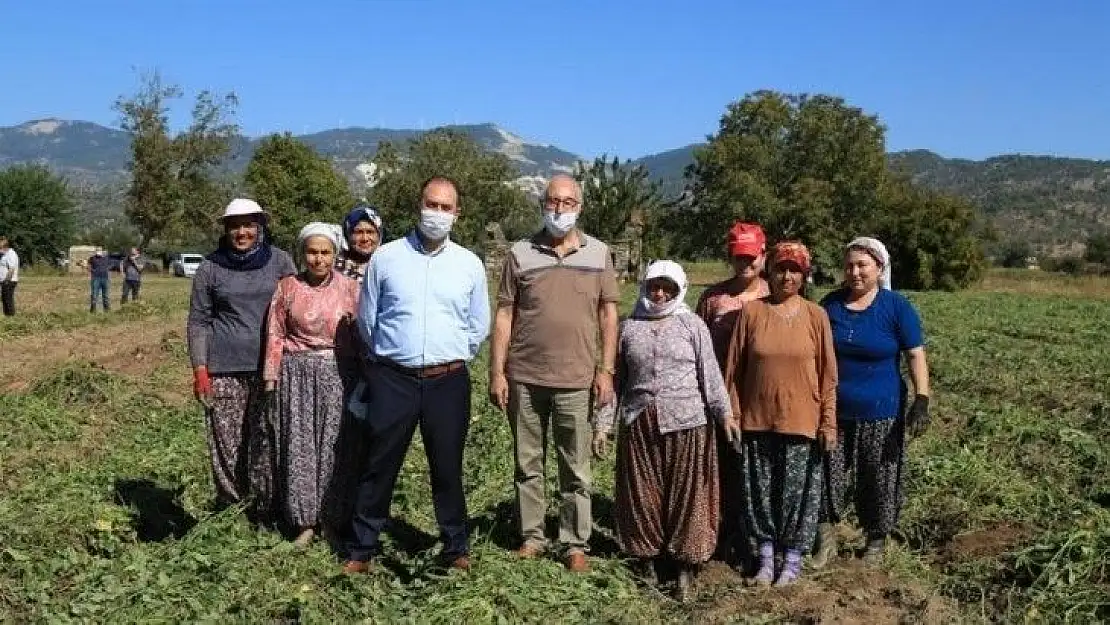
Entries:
{"x":435,"y":224}
{"x":558,"y":224}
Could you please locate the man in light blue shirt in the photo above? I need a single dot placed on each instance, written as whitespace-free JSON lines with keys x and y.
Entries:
{"x":424,"y":312}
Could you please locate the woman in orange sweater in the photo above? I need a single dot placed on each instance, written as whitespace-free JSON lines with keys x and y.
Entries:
{"x":781,"y":377}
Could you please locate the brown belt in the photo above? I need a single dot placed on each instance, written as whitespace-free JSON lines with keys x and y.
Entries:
{"x":424,"y":373}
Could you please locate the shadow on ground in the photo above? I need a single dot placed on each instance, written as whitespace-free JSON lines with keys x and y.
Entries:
{"x":156,"y":513}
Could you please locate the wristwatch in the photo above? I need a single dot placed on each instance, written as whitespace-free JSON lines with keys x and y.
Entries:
{"x":604,"y":369}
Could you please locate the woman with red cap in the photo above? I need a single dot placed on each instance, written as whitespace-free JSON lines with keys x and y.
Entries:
{"x":719,"y":307}
{"x":781,"y":377}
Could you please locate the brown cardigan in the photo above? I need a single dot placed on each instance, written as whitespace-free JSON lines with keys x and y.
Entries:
{"x":780,"y":373}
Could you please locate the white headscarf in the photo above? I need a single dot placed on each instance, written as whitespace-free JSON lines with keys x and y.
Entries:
{"x":672,"y":271}
{"x":876,"y":248}
{"x":331,"y":232}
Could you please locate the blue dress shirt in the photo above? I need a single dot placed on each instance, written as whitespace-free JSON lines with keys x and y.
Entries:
{"x":421,"y":309}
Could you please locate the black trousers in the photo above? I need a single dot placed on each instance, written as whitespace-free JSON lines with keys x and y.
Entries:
{"x":130,"y":287}
{"x":7,"y":295}
{"x":398,"y":404}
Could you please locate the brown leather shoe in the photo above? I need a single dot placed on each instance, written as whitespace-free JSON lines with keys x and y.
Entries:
{"x":529,"y":551}
{"x":461,"y":563}
{"x":355,"y":567}
{"x":577,"y":563}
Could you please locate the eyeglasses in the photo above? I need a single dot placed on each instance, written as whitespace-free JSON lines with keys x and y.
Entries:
{"x":564,"y":202}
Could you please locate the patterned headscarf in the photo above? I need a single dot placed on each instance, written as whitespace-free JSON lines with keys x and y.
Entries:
{"x":363,"y":212}
{"x":792,"y":251}
{"x":877,"y":250}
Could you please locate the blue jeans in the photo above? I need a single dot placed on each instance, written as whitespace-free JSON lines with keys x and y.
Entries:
{"x":98,"y":286}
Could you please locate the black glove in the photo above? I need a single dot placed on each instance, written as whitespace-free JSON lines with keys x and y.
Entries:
{"x":917,"y":419}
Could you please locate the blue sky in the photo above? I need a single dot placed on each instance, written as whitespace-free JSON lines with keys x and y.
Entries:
{"x":968,"y":79}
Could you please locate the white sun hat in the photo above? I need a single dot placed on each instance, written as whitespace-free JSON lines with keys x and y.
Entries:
{"x":242,"y":206}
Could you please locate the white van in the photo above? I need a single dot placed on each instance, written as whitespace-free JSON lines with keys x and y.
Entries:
{"x":185,"y":265}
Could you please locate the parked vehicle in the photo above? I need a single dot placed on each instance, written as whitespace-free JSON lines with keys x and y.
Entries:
{"x":185,"y":265}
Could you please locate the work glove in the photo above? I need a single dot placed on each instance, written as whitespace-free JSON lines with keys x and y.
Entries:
{"x":202,"y":386}
{"x":917,"y":419}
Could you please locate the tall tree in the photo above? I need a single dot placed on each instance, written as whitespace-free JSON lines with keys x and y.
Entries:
{"x":486,"y":188}
{"x":613,"y":193}
{"x":811,"y":167}
{"x":296,"y":185}
{"x":803,"y":166}
{"x":36,"y":213}
{"x":174,"y":185}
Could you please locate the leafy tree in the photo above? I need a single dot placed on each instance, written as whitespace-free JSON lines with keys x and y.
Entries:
{"x":486,"y":188}
{"x":114,"y":238}
{"x":1098,"y":249}
{"x":613,"y":193}
{"x":1014,"y":254}
{"x":931,"y":237}
{"x":296,"y":185}
{"x":811,"y":167}
{"x":804,"y":167}
{"x":174,"y":185}
{"x":36,"y":213}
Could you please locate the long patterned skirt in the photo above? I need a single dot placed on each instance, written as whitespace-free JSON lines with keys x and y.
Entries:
{"x":782,"y":488}
{"x":872,"y":452}
{"x":240,"y":443}
{"x":667,"y":500}
{"x":310,"y":409}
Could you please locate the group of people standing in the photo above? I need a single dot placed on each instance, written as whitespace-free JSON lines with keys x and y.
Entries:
{"x":99,"y":267}
{"x":804,"y":400}
{"x":741,"y":423}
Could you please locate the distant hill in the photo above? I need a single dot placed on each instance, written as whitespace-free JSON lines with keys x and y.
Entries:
{"x":669,"y":168}
{"x":1052,"y":202}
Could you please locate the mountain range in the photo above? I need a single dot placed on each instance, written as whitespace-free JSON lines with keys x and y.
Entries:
{"x":1054,"y":203}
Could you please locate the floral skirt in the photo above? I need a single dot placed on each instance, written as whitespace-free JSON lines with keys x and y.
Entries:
{"x":668,"y":497}
{"x":310,"y":413}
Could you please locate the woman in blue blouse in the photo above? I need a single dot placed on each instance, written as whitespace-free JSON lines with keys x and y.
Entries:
{"x":872,"y":326}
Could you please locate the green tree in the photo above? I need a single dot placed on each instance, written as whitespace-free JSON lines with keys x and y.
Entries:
{"x":296,"y":185}
{"x":1098,"y":249}
{"x":36,"y":213}
{"x":932,"y":238}
{"x":174,"y":183}
{"x":804,"y":167}
{"x":486,"y":188}
{"x":813,"y":168}
{"x":1014,"y":254}
{"x":613,"y":193}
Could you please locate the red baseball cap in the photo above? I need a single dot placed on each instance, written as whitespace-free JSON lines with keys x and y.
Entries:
{"x":746,"y":239}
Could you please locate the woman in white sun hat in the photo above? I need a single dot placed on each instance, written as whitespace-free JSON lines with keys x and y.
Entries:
{"x":232,"y":289}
